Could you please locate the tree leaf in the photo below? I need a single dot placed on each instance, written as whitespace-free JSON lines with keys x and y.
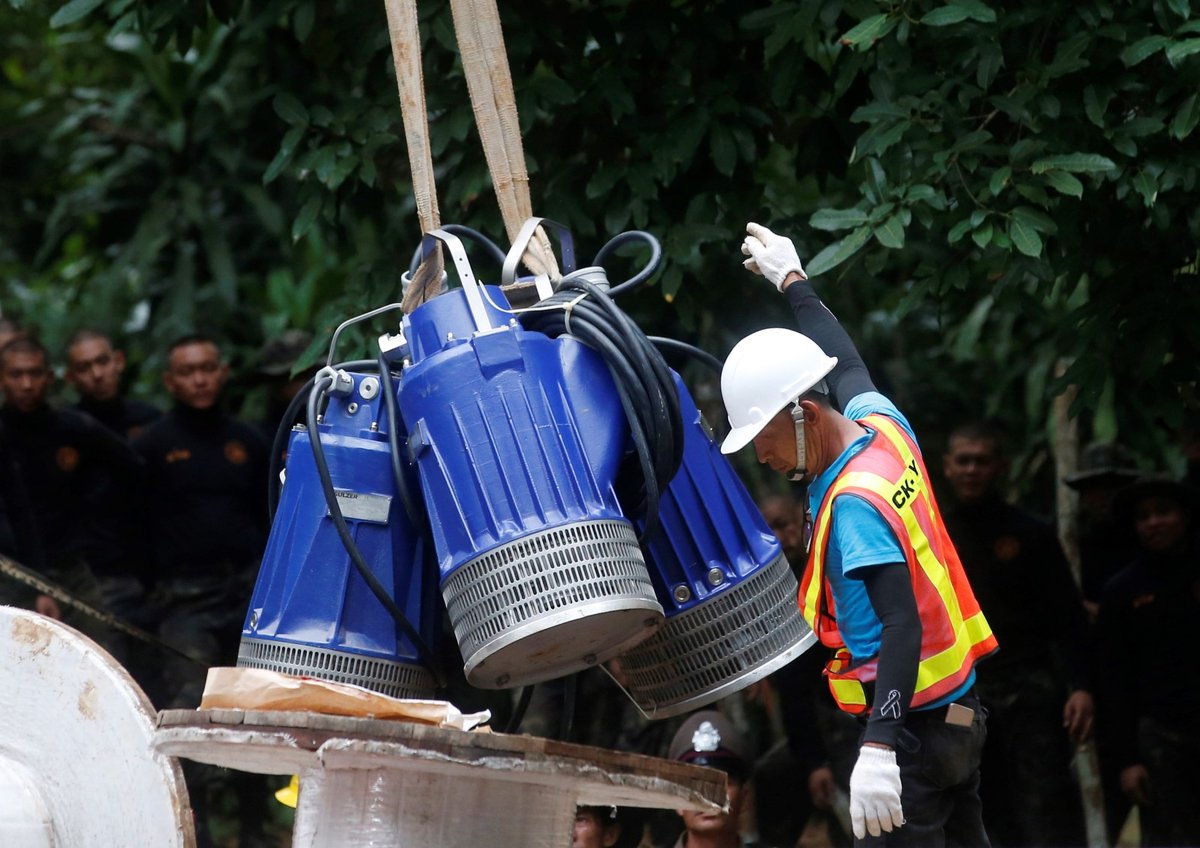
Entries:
{"x":1180,"y":50}
{"x":945,"y":15}
{"x":288,"y":107}
{"x":1025,"y":237}
{"x":1147,"y":187}
{"x":977,"y":9}
{"x":838,"y":252}
{"x":72,"y":12}
{"x":287,"y":149}
{"x":306,"y":218}
{"x":867,"y":31}
{"x":1037,"y":220}
{"x":999,"y":180}
{"x":837,"y":219}
{"x":983,"y":236}
{"x":1064,"y":183}
{"x":1186,"y":118}
{"x":1081,"y":162}
{"x":1143,"y":49}
{"x":958,"y":231}
{"x":991,"y":59}
{"x":891,"y":233}
{"x":1095,"y":104}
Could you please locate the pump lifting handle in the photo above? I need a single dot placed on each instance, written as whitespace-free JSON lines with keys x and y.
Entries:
{"x":465,"y":275}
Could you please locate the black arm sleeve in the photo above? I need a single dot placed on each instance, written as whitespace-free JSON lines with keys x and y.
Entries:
{"x":850,"y":376}
{"x":889,"y":589}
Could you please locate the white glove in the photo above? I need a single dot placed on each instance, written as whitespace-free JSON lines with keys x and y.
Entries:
{"x":875,"y":792}
{"x":772,"y":256}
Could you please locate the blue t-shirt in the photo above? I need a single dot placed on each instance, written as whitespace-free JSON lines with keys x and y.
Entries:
{"x":860,"y":538}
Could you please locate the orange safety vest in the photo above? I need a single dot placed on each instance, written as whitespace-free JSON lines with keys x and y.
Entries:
{"x":890,"y":475}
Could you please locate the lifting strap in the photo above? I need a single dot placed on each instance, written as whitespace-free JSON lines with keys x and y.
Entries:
{"x":489,"y":83}
{"x":410,"y":80}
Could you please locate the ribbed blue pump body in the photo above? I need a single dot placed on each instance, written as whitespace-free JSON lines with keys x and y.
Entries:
{"x":308,"y":591}
{"x":707,"y":520}
{"x":512,"y":432}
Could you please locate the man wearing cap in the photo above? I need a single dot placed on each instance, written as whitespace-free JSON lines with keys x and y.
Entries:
{"x":1105,"y":544}
{"x":707,"y":738}
{"x":1150,"y":668}
{"x":883,"y":586}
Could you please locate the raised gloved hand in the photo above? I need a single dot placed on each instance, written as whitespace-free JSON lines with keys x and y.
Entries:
{"x":773,"y":256}
{"x":875,"y":792}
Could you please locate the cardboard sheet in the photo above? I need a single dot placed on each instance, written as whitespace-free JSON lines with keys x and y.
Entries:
{"x":256,"y":689}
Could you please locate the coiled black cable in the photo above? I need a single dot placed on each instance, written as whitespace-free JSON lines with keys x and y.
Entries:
{"x":641,"y":376}
{"x":392,"y":404}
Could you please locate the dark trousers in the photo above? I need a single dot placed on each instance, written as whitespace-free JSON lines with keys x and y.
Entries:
{"x":1170,"y":752}
{"x":1029,"y":787}
{"x":939,"y":779}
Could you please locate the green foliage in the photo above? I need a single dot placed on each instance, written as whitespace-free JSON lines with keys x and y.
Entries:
{"x":984,"y":189}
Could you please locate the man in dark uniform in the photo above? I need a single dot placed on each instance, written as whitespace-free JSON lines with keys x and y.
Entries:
{"x":206,"y":479}
{"x":94,"y":369}
{"x":71,"y":469}
{"x":1024,"y":586}
{"x":207,"y":513}
{"x":1149,"y":664}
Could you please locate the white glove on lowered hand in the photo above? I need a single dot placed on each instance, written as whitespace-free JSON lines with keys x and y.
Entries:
{"x":875,"y":792}
{"x":772,"y":256}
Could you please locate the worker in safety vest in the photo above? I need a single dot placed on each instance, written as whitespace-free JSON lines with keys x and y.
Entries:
{"x":883,"y":586}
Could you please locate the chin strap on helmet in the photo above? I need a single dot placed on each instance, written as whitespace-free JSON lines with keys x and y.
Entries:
{"x":800,"y":473}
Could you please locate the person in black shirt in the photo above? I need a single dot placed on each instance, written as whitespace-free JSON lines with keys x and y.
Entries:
{"x":1038,"y":682}
{"x":206,"y":484}
{"x":94,"y":369}
{"x":206,"y":506}
{"x":1150,"y":668}
{"x":70,"y":469}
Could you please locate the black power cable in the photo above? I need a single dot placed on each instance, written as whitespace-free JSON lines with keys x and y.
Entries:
{"x":315,"y":396}
{"x":699,"y":354}
{"x":648,"y":269}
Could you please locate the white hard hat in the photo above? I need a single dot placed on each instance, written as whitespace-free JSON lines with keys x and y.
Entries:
{"x":765,"y":372}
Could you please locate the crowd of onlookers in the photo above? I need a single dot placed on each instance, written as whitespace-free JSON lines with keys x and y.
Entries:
{"x":154,"y":517}
{"x":158,"y":517}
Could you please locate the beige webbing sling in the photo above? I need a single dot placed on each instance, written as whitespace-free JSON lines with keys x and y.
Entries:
{"x":489,"y":83}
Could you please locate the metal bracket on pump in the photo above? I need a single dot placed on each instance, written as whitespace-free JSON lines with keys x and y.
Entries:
{"x":465,"y":275}
{"x":521,"y":243}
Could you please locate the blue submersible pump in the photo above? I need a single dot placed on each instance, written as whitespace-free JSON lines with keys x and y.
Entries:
{"x":518,"y":439}
{"x":727,"y":588}
{"x":345,"y":592}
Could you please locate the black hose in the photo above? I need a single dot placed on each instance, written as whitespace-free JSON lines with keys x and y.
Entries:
{"x":518,"y":716}
{"x":566,"y":720}
{"x":643,"y":381}
{"x":647,"y":270}
{"x":393,"y":419}
{"x":700,"y":355}
{"x":315,"y":396}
